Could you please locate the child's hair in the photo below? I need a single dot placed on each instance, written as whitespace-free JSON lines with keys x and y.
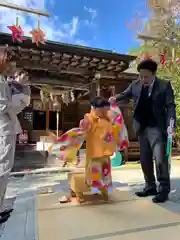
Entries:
{"x":99,"y":102}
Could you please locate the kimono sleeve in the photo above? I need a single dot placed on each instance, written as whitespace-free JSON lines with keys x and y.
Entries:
{"x":5,"y":103}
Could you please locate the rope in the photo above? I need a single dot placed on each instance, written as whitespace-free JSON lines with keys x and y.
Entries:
{"x":68,"y":91}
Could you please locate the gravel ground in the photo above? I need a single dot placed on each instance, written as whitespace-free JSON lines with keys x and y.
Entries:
{"x":21,"y":193}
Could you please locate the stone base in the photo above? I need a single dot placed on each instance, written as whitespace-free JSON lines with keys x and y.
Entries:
{"x":76,"y":182}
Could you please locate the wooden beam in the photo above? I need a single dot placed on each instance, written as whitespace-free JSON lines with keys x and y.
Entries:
{"x":26,"y":64}
{"x":66,"y":63}
{"x":23,"y":9}
{"x":151,"y":38}
{"x":77,"y":83}
{"x":57,"y":82}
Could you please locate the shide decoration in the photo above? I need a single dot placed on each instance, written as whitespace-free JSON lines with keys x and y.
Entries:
{"x":38,"y":35}
{"x":17,"y":32}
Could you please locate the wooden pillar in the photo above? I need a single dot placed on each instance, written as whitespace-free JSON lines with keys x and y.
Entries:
{"x":47,"y":117}
{"x":62,"y":115}
{"x":77,"y":112}
{"x":113,"y":92}
{"x":95,"y":88}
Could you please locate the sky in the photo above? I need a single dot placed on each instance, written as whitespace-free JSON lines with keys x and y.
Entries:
{"x":94,"y":23}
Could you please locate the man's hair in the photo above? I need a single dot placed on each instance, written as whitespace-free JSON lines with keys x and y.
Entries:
{"x":148,"y":64}
{"x":20,"y":71}
{"x":99,"y":102}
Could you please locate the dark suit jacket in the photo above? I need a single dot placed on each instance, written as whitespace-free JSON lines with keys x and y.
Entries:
{"x":163,"y":104}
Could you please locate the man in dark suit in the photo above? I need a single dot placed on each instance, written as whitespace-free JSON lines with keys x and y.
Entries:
{"x":153,"y":108}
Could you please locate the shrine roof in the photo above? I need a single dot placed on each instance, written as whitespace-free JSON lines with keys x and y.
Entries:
{"x":53,"y":56}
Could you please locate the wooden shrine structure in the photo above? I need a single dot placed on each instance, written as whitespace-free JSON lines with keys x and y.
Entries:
{"x":66,"y":67}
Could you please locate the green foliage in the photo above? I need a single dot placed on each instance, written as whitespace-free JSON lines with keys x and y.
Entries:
{"x":177,"y":131}
{"x":166,"y":29}
{"x":170,"y":70}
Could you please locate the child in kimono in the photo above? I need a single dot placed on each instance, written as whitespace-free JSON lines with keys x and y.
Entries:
{"x":100,"y":145}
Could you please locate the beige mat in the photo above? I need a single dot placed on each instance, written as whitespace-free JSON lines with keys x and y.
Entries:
{"x":122,"y":220}
{"x":51,"y":201}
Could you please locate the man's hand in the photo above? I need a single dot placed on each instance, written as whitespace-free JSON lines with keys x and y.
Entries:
{"x":112,"y":100}
{"x":170,"y":131}
{"x":170,"y":128}
{"x":85,"y":124}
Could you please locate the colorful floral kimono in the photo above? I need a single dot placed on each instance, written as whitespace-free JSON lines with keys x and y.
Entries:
{"x":104,"y":138}
{"x":100,"y":145}
{"x":98,"y":174}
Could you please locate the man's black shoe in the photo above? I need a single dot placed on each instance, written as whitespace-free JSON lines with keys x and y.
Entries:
{"x":146,"y":193}
{"x":6,"y":212}
{"x":160,"y":198}
{"x":4,"y":218}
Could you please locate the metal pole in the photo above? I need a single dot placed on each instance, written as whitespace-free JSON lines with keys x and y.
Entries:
{"x":23,"y":9}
